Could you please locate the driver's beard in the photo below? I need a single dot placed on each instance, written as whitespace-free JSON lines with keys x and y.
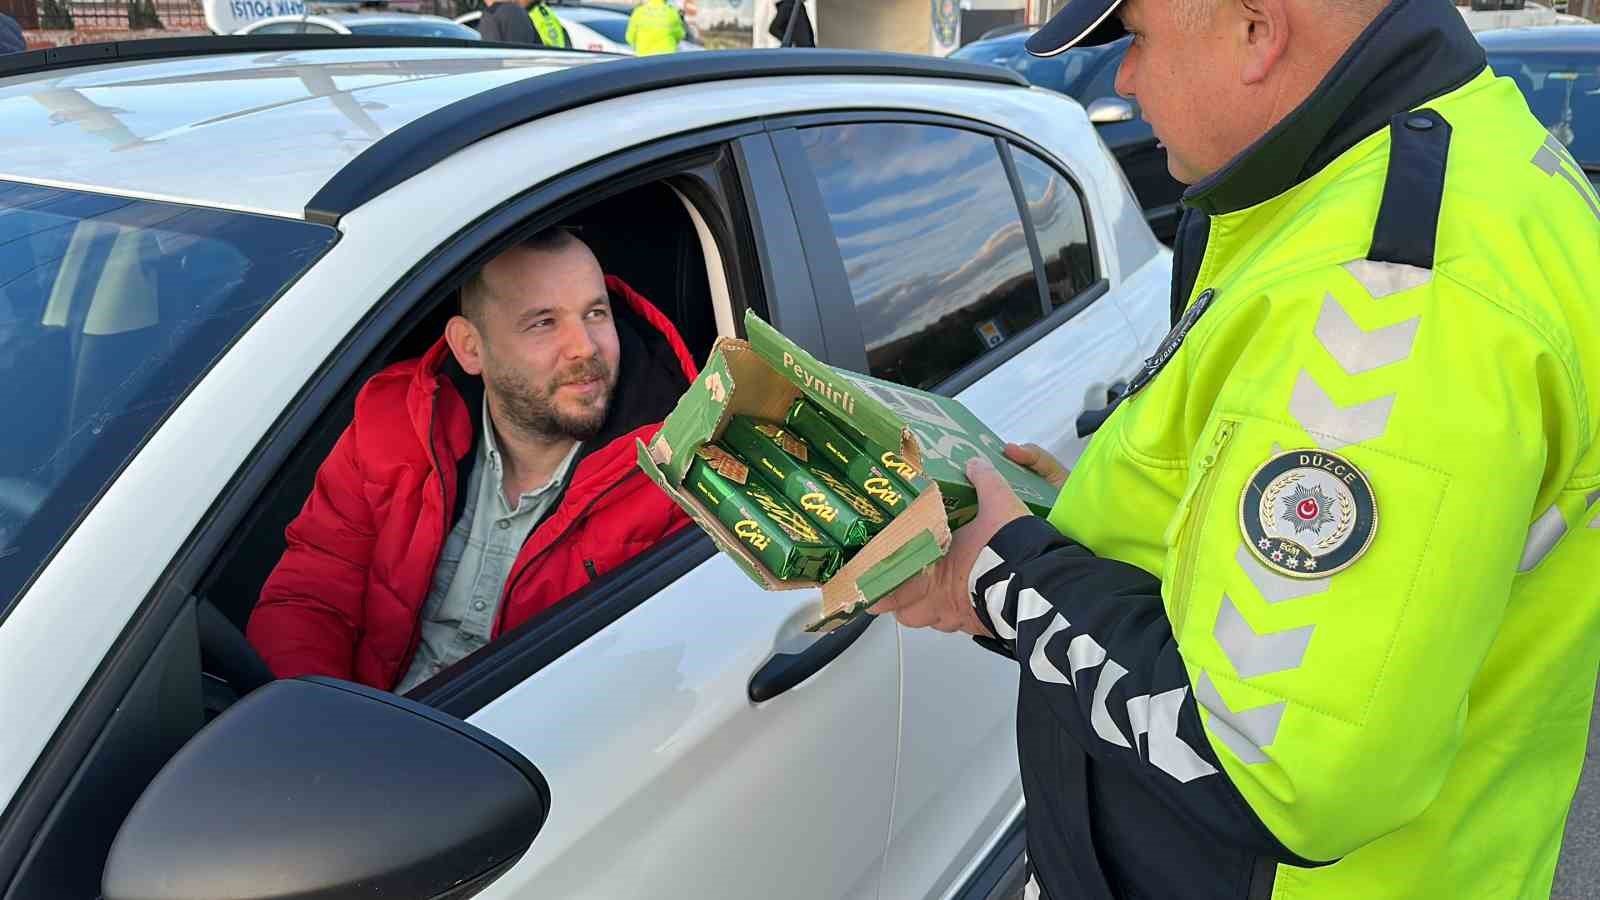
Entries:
{"x":533,"y":410}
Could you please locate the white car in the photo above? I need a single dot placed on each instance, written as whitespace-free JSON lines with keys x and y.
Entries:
{"x":211,"y":244}
{"x":389,"y":24}
{"x":589,"y":28}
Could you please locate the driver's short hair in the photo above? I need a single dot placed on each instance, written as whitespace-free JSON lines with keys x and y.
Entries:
{"x":475,"y":292}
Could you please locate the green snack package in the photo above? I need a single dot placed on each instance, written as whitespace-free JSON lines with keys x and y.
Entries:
{"x":860,"y":466}
{"x":775,"y":532}
{"x":781,"y":457}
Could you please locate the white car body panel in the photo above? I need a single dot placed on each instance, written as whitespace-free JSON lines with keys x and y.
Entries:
{"x":651,"y":789}
{"x":311,"y":123}
{"x":647,"y":728}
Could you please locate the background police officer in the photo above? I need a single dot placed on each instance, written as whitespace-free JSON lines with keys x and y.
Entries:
{"x":655,"y":27}
{"x":1316,"y":613}
{"x":551,"y":33}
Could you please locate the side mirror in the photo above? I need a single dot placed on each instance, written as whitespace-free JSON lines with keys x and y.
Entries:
{"x":318,"y":788}
{"x":1109,"y":110}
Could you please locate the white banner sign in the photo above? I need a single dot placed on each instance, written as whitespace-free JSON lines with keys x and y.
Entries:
{"x":228,"y":16}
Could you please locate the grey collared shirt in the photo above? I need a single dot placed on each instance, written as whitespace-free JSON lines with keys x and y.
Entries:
{"x":470,"y":578}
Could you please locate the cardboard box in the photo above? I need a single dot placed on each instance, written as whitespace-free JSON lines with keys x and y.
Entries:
{"x":934,"y":435}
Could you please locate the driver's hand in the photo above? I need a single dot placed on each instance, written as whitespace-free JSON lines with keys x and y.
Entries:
{"x":1039,"y":460}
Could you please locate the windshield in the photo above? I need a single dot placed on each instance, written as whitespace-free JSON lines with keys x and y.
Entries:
{"x":1563,"y":90}
{"x":1062,"y":72}
{"x":997,"y":53}
{"x":612,"y":28}
{"x":419,"y":28}
{"x":110,"y":309}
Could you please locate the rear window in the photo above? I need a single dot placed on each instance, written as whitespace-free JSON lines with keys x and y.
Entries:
{"x":1563,"y":91}
{"x":421,"y":28}
{"x":110,"y":309}
{"x":1061,"y":72}
{"x":612,"y":28}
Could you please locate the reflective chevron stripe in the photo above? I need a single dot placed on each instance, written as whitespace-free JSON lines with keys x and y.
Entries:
{"x":1358,"y":350}
{"x":1099,"y":716}
{"x":1542,"y":538}
{"x":1275,"y":588}
{"x":1156,"y":718}
{"x":1246,"y":732}
{"x":1153,"y":718}
{"x":1384,"y":278}
{"x":1337,"y":426}
{"x":1039,"y":661}
{"x":1258,"y":653}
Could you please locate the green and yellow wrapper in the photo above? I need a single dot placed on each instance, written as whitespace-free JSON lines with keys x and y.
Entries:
{"x":776,"y":533}
{"x":882,"y":476}
{"x":781,"y":458}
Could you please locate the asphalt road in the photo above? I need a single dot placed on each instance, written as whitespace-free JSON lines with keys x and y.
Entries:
{"x":1578,"y":873}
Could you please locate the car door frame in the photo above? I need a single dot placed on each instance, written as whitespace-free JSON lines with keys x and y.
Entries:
{"x":999,"y":867}
{"x":72,"y":747}
{"x":841,"y":322}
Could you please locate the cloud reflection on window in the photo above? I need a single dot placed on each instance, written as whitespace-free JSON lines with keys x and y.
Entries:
{"x":932,"y":241}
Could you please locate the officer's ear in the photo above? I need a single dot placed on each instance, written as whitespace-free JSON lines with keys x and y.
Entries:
{"x":1261,"y":29}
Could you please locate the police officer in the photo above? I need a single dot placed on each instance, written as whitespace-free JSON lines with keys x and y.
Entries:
{"x":551,"y":32}
{"x":655,"y":27}
{"x":1317,"y":613}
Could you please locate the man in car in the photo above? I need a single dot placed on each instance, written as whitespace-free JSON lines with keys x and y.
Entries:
{"x":1316,"y":613}
{"x":480,"y":484}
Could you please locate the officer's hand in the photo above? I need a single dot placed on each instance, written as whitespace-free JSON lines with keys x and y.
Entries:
{"x":938,"y":597}
{"x":1035,"y":457}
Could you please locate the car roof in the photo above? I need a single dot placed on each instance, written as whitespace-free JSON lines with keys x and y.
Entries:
{"x":253,"y":131}
{"x":1557,"y":38}
{"x":313,"y":126}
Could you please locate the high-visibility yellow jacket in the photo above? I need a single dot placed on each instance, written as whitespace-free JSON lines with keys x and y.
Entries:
{"x":551,"y":32}
{"x":655,"y":27}
{"x":1320,"y":613}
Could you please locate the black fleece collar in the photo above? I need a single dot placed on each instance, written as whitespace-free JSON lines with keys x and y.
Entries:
{"x":1413,"y":51}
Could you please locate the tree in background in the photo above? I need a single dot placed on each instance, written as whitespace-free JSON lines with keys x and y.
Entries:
{"x":142,"y":14}
{"x":54,"y":15}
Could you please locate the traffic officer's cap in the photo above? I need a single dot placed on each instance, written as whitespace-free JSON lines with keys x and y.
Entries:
{"x":1081,"y":23}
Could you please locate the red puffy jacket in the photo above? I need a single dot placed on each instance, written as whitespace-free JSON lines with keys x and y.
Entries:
{"x":347,"y":597}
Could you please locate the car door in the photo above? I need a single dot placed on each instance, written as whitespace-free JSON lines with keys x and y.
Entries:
{"x":932,"y":274}
{"x":659,"y":705}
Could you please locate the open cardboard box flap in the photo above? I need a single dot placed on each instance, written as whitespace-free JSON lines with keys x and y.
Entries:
{"x":745,"y":378}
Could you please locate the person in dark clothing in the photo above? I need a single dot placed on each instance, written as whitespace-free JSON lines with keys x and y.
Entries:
{"x":506,"y":21}
{"x":11,"y":35}
{"x":801,"y":34}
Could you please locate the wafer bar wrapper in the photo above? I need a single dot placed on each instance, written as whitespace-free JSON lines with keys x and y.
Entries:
{"x":776,"y":533}
{"x":780,"y":457}
{"x":859,"y":465}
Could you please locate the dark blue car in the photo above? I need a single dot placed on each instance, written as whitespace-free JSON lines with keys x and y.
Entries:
{"x":1558,"y":69}
{"x":1088,"y":75}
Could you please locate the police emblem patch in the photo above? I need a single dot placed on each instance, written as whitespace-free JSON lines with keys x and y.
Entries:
{"x":1308,"y":513}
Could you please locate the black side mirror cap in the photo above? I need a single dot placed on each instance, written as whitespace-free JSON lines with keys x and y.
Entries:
{"x":319,"y":788}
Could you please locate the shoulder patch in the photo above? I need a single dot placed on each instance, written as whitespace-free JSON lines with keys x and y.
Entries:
{"x":1308,"y":513}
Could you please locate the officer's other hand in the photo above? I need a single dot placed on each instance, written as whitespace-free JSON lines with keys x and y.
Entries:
{"x":938,"y":597}
{"x":1035,"y":457}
